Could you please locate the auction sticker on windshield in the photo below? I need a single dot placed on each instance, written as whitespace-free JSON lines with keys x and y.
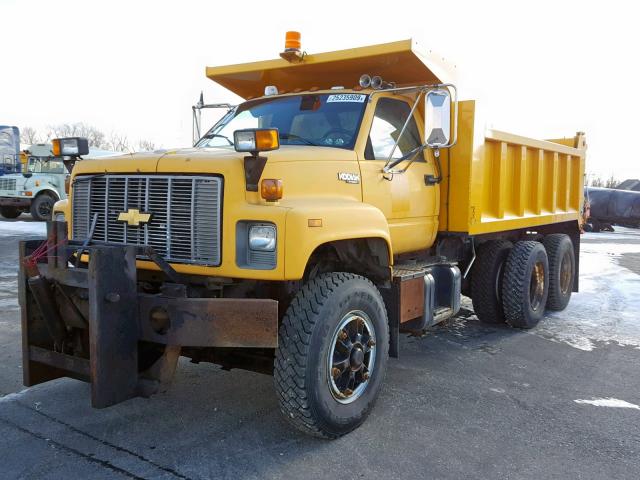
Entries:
{"x":346,"y":97}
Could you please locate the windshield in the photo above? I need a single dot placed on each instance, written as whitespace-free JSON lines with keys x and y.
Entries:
{"x":327,"y":120}
{"x":41,"y":165}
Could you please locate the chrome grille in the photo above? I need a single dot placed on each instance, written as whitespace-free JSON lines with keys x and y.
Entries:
{"x":185,"y":213}
{"x":7,"y":183}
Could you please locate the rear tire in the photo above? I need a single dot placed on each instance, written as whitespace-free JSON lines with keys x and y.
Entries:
{"x":42,"y":207}
{"x":562,"y":267}
{"x":10,"y":212}
{"x":319,"y":390}
{"x":525,"y":286}
{"x":486,"y":281}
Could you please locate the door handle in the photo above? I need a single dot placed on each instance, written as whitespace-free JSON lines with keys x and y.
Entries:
{"x":430,"y":180}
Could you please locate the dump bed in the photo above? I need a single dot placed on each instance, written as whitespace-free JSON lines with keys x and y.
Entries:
{"x":496,"y":181}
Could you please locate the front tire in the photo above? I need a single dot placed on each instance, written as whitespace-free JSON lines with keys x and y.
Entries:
{"x":42,"y":207}
{"x":525,"y":286}
{"x":332,"y":354}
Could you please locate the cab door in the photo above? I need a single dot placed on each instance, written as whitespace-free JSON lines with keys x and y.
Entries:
{"x":410,"y":205}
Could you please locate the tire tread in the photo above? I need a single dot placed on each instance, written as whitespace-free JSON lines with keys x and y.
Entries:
{"x":293,"y":350}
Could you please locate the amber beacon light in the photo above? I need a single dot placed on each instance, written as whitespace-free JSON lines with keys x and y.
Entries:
{"x":292,"y":48}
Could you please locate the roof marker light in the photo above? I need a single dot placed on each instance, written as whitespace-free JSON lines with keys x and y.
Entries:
{"x":270,"y":90}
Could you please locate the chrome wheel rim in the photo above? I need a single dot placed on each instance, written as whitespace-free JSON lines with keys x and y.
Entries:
{"x":351,"y":357}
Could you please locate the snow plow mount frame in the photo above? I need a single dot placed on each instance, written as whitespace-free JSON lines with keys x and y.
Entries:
{"x":99,"y":302}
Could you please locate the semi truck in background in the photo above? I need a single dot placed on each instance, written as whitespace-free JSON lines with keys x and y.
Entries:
{"x":349,"y":199}
{"x":9,"y":149}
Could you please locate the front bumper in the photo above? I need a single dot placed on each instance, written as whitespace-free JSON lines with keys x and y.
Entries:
{"x":99,"y":305}
{"x":20,"y":202}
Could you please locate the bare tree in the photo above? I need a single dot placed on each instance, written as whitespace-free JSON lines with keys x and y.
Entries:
{"x":29,"y":136}
{"x":95,"y":137}
{"x":117,"y":143}
{"x":146,"y":145}
{"x":597,"y":181}
{"x":611,"y":182}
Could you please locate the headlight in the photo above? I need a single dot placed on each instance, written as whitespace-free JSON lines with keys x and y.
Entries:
{"x":262,"y":238}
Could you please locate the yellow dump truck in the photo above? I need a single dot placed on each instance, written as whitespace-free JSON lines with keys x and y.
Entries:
{"x":350,"y":198}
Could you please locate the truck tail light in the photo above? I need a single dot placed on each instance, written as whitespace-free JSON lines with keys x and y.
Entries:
{"x":271,"y":189}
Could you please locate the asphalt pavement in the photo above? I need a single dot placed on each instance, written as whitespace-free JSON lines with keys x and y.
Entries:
{"x":464,"y":401}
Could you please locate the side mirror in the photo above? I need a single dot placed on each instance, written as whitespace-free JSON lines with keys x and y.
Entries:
{"x":437,"y":129}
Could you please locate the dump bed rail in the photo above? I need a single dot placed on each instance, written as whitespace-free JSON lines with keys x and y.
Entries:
{"x":499,"y":181}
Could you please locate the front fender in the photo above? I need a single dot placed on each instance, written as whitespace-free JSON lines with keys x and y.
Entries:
{"x":340,"y":219}
{"x":45,"y":189}
{"x":62,"y":206}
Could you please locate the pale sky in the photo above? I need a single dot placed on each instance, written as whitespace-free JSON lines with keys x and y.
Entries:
{"x":544,"y":69}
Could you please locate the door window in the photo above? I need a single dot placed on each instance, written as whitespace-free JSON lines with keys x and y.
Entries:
{"x":388,"y":120}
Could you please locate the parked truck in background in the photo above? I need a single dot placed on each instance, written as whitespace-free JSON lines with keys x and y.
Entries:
{"x":349,"y":199}
{"x":9,"y":149}
{"x":611,"y":206}
{"x":43,"y":182}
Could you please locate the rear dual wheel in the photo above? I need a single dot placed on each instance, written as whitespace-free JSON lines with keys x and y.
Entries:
{"x":514,"y":284}
{"x":525,"y":286}
{"x":486,"y":281}
{"x":562,"y":268}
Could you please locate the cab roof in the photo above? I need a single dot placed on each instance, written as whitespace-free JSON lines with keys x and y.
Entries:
{"x":397,"y":62}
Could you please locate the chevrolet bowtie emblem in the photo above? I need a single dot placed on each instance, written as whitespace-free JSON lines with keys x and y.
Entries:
{"x":134,"y":218}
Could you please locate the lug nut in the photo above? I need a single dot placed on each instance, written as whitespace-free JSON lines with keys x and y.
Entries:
{"x":365,"y":375}
{"x":343,"y":335}
{"x":335,"y":371}
{"x":348,"y":392}
{"x":371,"y":343}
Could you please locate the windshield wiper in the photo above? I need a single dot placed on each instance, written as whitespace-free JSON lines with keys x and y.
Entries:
{"x":217,"y":135}
{"x":293,"y":136}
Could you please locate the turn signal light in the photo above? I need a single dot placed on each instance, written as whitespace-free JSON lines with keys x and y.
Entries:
{"x":271,"y":189}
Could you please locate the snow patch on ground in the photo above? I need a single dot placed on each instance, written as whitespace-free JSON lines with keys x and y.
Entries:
{"x":13,"y":396}
{"x":23,"y":228}
{"x":606,"y":309}
{"x":608,"y":402}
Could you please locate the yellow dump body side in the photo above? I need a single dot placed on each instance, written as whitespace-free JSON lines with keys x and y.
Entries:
{"x":496,"y":181}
